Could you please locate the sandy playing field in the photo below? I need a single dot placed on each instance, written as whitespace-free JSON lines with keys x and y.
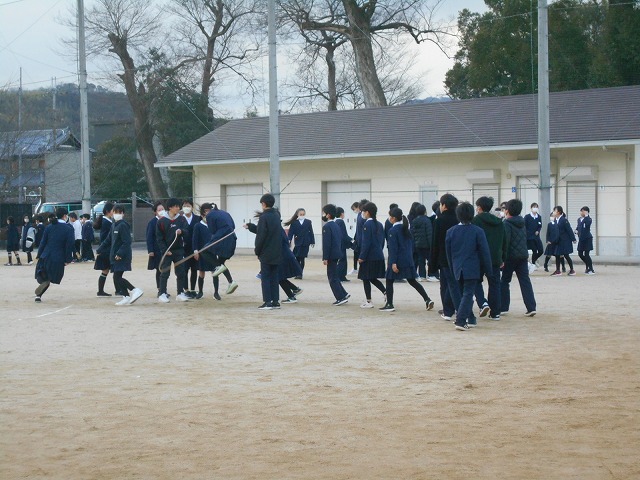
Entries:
{"x":220,"y":390}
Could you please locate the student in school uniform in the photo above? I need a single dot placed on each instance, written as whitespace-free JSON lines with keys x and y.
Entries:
{"x":172,"y":232}
{"x":400,"y":262}
{"x":13,"y":241}
{"x":301,"y":233}
{"x":371,"y":260}
{"x":102,"y":263}
{"x":75,"y":223}
{"x":331,"y":253}
{"x":206,"y":260}
{"x":191,"y":265}
{"x":516,"y":260}
{"x":585,"y":239}
{"x":533,"y":224}
{"x":387,"y":222}
{"x":28,"y":238}
{"x":347,"y":243}
{"x":40,"y":226}
{"x":118,"y":248}
{"x":564,"y":244}
{"x":153,"y":250}
{"x":221,"y":224}
{"x":88,"y":236}
{"x":469,"y":258}
{"x":268,"y":249}
{"x":357,"y":239}
{"x":55,"y":252}
{"x":421,"y":230}
{"x":550,"y":242}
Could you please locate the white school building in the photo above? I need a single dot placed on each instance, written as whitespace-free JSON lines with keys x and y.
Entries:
{"x":417,"y":152}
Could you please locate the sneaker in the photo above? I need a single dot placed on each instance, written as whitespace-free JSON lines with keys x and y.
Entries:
{"x":472,"y":323}
{"x":546,"y":269}
{"x":191,"y":294}
{"x":420,"y":279}
{"x":163,"y":298}
{"x":103,"y":294}
{"x":556,"y":273}
{"x":219,"y":269}
{"x":266,"y":306}
{"x":433,"y":279}
{"x":530,"y":313}
{"x":572,"y":273}
{"x":124,"y":301}
{"x":440,"y":312}
{"x":430,"y":304}
{"x":38,"y":300}
{"x":199,"y":295}
{"x":41,"y":288}
{"x":183,"y":297}
{"x":504,"y":313}
{"x":8,"y":264}
{"x":388,"y":308}
{"x":366,"y":304}
{"x":353,"y":272}
{"x":445,"y":317}
{"x":342,"y":301}
{"x":217,"y":296}
{"x":496,"y":317}
{"x":484,"y":311}
{"x":30,"y":263}
{"x":462,"y":328}
{"x":297,"y":291}
{"x":298,"y":277}
{"x":290,"y":300}
{"x":590,"y":272}
{"x":275,"y":305}
{"x":344,"y":280}
{"x":532,"y":268}
{"x":136,"y":293}
{"x":233,"y":286}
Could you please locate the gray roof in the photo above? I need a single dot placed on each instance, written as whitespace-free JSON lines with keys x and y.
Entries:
{"x":35,"y":143}
{"x":597,"y":115}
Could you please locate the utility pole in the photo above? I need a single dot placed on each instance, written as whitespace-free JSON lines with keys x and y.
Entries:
{"x":274,"y":143}
{"x":544,"y":155}
{"x":20,"y":135}
{"x":84,"y":114}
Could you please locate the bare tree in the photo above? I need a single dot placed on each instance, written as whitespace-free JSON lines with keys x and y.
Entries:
{"x":361,"y":22}
{"x":123,"y":28}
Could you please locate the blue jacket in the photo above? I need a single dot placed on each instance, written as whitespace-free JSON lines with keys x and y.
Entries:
{"x":566,"y":237}
{"x":468,"y":252}
{"x":347,"y":241}
{"x":120,"y":247}
{"x":195,"y":219}
{"x":88,"y":234}
{"x":584,"y":228}
{"x":201,"y":236}
{"x":302,"y":235}
{"x":152,"y":244}
{"x":533,"y":226}
{"x":331,"y":241}
{"x":220,"y":224}
{"x":372,"y":240}
{"x":400,"y":247}
{"x":57,"y":243}
{"x":358,"y":235}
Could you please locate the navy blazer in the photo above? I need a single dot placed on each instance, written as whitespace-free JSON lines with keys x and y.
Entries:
{"x":566,"y":237}
{"x":331,"y":241}
{"x":468,"y":252}
{"x":302,"y":234}
{"x":201,"y":236}
{"x":121,"y":247}
{"x":400,"y":247}
{"x":152,"y":243}
{"x":372,"y":240}
{"x":584,"y":228}
{"x":220,"y":224}
{"x":358,"y":236}
{"x":87,"y":232}
{"x":533,"y":226}
{"x":347,"y":241}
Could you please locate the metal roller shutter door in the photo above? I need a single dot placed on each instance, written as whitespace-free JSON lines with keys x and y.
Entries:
{"x":580,"y":194}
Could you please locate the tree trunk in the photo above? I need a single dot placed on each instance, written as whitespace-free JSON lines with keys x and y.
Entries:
{"x":331,"y":78}
{"x":360,"y":39}
{"x":141,"y":121}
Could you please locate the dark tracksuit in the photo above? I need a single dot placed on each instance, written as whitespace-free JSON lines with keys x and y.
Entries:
{"x":331,"y":253}
{"x":494,"y":230}
{"x":152,"y":247}
{"x":439,"y":262}
{"x":516,"y":261}
{"x":268,"y":249}
{"x":347,"y":243}
{"x":88,"y":236}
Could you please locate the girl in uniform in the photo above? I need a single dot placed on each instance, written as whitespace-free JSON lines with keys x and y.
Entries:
{"x":28,"y":238}
{"x":371,"y":258}
{"x":566,"y":239}
{"x":191,"y":265}
{"x":301,"y":232}
{"x":102,"y":260}
{"x":220,"y":225}
{"x":400,"y":263}
{"x":153,"y":250}
{"x":206,"y":260}
{"x":13,"y":241}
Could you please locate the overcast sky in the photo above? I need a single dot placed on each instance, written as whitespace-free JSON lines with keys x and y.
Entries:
{"x":31,"y":33}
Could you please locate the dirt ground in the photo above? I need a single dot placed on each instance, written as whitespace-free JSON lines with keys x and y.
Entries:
{"x":219,"y":390}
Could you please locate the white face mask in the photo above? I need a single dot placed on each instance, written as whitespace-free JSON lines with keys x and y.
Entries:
{"x":118,"y":216}
{"x":534,"y":209}
{"x":186,"y":210}
{"x":501,"y":214}
{"x":160,"y":213}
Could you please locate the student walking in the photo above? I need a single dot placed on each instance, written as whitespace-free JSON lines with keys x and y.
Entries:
{"x":347,"y":243}
{"x":516,"y":260}
{"x":533,"y":224}
{"x":153,"y":250}
{"x":88,"y":236}
{"x":74,"y":221}
{"x":301,"y":232}
{"x":206,"y":260}
{"x":400,"y":262}
{"x":585,"y":239}
{"x":371,"y":260}
{"x":564,"y":243}
{"x":102,"y":261}
{"x":28,"y":238}
{"x":331,"y":253}
{"x":551,"y":239}
{"x":191,"y":265}
{"x":268,"y":249}
{"x":468,"y":257}
{"x":118,"y":248}
{"x":13,"y":242}
{"x":172,"y":232}
{"x":55,"y":252}
{"x":221,"y":224}
{"x":422,"y":233}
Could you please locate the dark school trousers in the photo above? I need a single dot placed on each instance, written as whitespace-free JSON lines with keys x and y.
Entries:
{"x":521,"y":269}
{"x":334,"y":280}
{"x":269,"y":281}
{"x":180,"y":271}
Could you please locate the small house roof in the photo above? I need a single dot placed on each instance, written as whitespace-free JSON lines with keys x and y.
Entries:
{"x":35,"y":143}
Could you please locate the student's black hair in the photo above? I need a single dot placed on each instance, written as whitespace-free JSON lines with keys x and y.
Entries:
{"x":421,"y":210}
{"x":514,"y":207}
{"x":534,"y":204}
{"x":97,"y":223}
{"x":173,"y":202}
{"x":156,"y":205}
{"x":503,"y":205}
{"x":339,"y":211}
{"x":189,"y":201}
{"x":464,"y":212}
{"x":585,"y":208}
{"x":363,"y":202}
{"x":485,"y":203}
{"x":355,"y":205}
{"x":118,"y":208}
{"x":268,"y":199}
{"x":399,"y":216}
{"x":559,"y":209}
{"x":435,"y":207}
{"x":330,"y":210}
{"x":294,"y":217}
{"x":371,"y":208}
{"x":73,"y":215}
{"x":86,"y":216}
{"x":205,"y":206}
{"x":10,"y":220}
{"x":60,"y":212}
{"x":449,"y":201}
{"x":107,"y":208}
{"x":412,"y":210}
{"x":392,"y":206}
